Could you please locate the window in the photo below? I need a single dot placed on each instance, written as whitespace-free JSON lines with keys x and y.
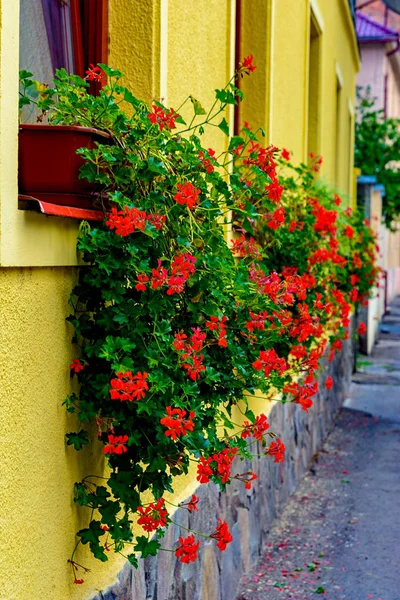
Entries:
{"x":62,"y":33}
{"x":314,"y":85}
{"x":338,"y":132}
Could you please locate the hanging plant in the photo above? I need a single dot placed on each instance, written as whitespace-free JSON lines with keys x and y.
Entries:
{"x":174,"y":326}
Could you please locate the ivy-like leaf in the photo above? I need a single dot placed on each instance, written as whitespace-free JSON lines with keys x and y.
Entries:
{"x":78,"y":440}
{"x":224,"y":126}
{"x":146,"y":547}
{"x":198,"y":109}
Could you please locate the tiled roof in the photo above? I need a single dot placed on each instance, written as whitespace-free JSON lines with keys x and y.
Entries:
{"x":369,"y":30}
{"x":378,"y":12}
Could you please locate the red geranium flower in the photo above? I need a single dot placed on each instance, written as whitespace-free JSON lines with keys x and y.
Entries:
{"x":328,"y":383}
{"x":247,"y":64}
{"x":274,"y":191}
{"x":349,"y":231}
{"x":204,"y":471}
{"x":95,"y":74}
{"x":362,"y":329}
{"x":256,"y":429}
{"x":129,"y":387}
{"x":153,"y":516}
{"x":222,"y":534}
{"x":187,"y":550}
{"x":176,"y":423}
{"x":162,"y":118}
{"x":76,"y":366}
{"x":285,"y":154}
{"x":187,"y":195}
{"x":116,"y":444}
{"x":277,"y":449}
{"x":192,"y":504}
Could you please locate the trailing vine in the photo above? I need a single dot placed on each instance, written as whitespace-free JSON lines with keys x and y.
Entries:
{"x":176,"y":328}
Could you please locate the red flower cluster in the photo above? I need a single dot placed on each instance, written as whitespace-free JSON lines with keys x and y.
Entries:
{"x":176,"y":423}
{"x":349,"y":231}
{"x":129,"y":387}
{"x":129,"y":220}
{"x":274,"y":191}
{"x":205,"y":161}
{"x":257,"y":322}
{"x":153,"y":516}
{"x":182,"y":267}
{"x":285,"y":154}
{"x":256,"y":429}
{"x":293,"y":225}
{"x":116,"y":444}
{"x":263,"y":158}
{"x":246,"y":247}
{"x":162,"y":118}
{"x":302,"y":394}
{"x":218,"y":325}
{"x":362,"y":329}
{"x":187,"y":195}
{"x":95,"y":74}
{"x":187,"y":549}
{"x":325,"y":220}
{"x":329,"y":382}
{"x":191,"y":505}
{"x":247,"y":65}
{"x":276,"y":219}
{"x":222,"y":535}
{"x":306,"y":325}
{"x":276,"y":449}
{"x":191,"y":357}
{"x":269,"y":361}
{"x":217,"y":465}
{"x":76,"y":366}
{"x":337,"y":345}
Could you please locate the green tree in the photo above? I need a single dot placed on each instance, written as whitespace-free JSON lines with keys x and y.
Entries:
{"x":377,"y":151}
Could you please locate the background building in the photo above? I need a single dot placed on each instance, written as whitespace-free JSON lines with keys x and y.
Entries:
{"x":378,"y":34}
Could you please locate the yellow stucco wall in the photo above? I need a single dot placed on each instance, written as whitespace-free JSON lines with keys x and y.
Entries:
{"x":168,"y":49}
{"x":38,"y":517}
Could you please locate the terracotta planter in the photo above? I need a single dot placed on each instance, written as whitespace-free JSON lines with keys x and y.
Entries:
{"x":49,"y":166}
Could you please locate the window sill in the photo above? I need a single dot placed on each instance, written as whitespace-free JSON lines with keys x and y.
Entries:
{"x":32,"y":204}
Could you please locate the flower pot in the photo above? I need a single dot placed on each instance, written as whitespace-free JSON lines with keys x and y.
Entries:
{"x":49,"y":166}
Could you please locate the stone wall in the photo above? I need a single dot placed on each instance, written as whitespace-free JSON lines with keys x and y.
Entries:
{"x":249,"y":513}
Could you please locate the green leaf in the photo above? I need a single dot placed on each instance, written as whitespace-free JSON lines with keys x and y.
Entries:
{"x":224,"y":126}
{"x":235,"y":141}
{"x":146,"y":547}
{"x":109,"y":71}
{"x":23,"y":74}
{"x":250,"y":416}
{"x":156,"y":165}
{"x":78,"y":440}
{"x":129,"y":97}
{"x":225,"y":96}
{"x":320,"y":590}
{"x":91,"y":536}
{"x":133,"y":560}
{"x":198,"y":109}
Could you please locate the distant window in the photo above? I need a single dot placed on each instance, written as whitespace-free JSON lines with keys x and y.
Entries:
{"x":314,"y":86}
{"x":338,"y":132}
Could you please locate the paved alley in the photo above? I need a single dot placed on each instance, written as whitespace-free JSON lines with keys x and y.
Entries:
{"x":339,"y":536}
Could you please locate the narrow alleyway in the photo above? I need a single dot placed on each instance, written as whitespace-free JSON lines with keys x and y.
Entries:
{"x":339,"y":536}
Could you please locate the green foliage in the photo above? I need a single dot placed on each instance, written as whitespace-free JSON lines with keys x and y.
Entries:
{"x":377,"y":151}
{"x":169,"y":317}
